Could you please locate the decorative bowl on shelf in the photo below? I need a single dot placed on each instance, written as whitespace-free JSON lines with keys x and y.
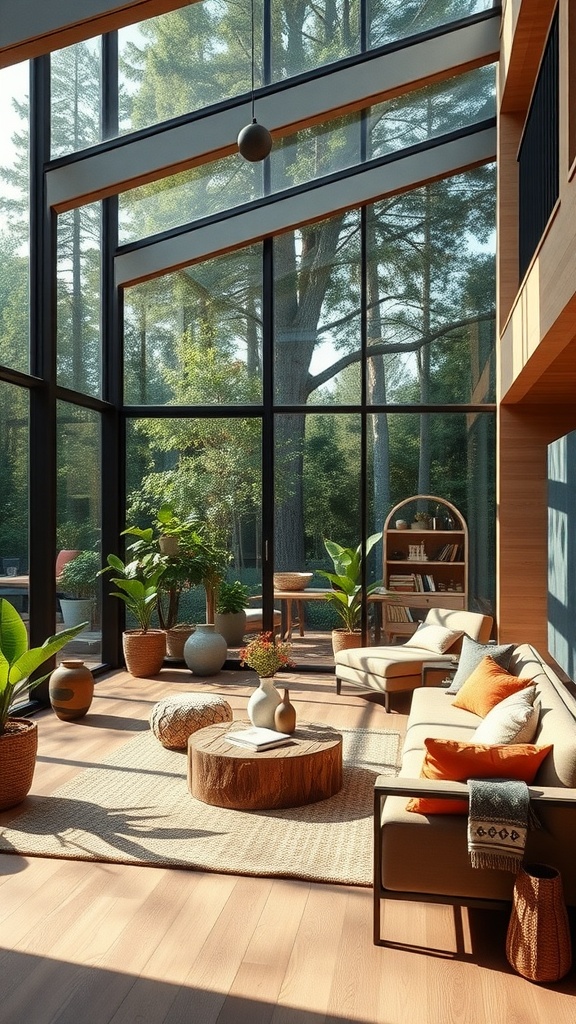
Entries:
{"x":292,"y":580}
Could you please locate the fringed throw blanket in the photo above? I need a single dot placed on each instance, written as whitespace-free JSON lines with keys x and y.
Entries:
{"x":498,"y":821}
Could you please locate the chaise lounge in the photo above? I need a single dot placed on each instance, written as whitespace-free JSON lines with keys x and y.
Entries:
{"x":394,"y":669}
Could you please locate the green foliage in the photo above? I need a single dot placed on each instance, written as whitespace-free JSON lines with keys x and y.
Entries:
{"x":231,"y":597}
{"x":346,"y":597}
{"x":138,"y":585}
{"x":18,"y":662}
{"x":78,"y":577}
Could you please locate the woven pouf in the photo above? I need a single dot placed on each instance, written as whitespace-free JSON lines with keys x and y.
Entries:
{"x":173,"y":719}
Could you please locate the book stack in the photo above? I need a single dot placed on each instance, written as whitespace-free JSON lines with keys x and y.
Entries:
{"x":257,"y":738}
{"x":403,"y":583}
{"x":450,"y":553}
{"x":398,"y":613}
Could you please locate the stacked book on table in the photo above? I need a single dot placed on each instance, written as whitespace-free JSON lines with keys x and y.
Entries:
{"x":257,"y":738}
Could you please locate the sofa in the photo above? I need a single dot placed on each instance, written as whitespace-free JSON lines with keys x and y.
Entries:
{"x":397,"y":668}
{"x":424,"y":857}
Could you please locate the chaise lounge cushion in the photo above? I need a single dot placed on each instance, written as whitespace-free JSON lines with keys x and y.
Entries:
{"x":436,"y":639}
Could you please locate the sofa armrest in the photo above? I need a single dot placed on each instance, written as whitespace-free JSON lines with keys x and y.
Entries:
{"x":443,"y":788}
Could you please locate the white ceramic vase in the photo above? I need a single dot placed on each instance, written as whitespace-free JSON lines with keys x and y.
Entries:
{"x":205,"y":651}
{"x":263,"y":703}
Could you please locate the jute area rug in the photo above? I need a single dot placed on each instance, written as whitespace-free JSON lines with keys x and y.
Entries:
{"x":135,"y":808}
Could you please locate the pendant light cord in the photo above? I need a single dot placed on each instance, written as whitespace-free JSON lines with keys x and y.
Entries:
{"x":252,"y":53}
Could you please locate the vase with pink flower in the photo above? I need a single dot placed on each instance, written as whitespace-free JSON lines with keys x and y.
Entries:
{"x":266,"y":655}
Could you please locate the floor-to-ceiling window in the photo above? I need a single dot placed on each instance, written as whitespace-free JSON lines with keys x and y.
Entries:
{"x":295,"y":345}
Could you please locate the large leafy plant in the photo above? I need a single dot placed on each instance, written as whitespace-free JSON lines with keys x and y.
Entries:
{"x":346,"y":580}
{"x":18,"y":661}
{"x":137,"y":584}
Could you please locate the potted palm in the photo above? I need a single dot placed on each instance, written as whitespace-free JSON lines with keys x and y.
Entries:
{"x":230,"y":617}
{"x":19,"y":736}
{"x":77,"y":583}
{"x":138,"y":584}
{"x":346,"y":594}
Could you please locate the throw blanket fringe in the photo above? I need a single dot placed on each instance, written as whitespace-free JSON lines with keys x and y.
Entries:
{"x":498,"y":821}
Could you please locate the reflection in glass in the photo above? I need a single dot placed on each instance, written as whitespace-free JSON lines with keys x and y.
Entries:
{"x":75,"y":97}
{"x":307,"y":36}
{"x":195,"y":337}
{"x":448,"y":454}
{"x":430,"y":309}
{"x":79,"y":264}
{"x":397,"y":19}
{"x":78,"y":525}
{"x":208,"y":470}
{"x":200,"y":192}
{"x":14,"y":218}
{"x":317,"y":313}
{"x":185,"y":60}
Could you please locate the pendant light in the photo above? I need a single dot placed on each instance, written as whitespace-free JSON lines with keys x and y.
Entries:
{"x":254,"y":141}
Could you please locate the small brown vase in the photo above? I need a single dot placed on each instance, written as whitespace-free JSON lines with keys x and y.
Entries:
{"x":71,"y":689}
{"x":285,"y":714}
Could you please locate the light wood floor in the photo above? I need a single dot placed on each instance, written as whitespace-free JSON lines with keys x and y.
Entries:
{"x":86,"y":943}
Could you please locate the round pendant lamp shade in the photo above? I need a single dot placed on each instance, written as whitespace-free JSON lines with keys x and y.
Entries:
{"x":254,"y":142}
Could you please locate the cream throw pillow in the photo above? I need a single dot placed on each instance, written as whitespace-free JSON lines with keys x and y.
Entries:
{"x":513,"y":720}
{"x":437,"y":639}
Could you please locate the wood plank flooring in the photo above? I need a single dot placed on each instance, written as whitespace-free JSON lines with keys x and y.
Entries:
{"x":87,"y":943}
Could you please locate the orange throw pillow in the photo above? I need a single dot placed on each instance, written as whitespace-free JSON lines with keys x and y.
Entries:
{"x":487,"y":686}
{"x":459,"y":761}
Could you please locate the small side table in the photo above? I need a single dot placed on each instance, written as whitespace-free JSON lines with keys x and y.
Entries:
{"x":449,"y":669}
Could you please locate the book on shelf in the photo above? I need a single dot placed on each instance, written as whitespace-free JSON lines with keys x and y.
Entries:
{"x":258,"y":738}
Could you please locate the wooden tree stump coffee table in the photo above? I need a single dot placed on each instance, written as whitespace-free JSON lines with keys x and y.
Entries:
{"x":226,"y":775}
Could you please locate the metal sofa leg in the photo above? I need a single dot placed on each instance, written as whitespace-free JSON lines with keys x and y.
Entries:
{"x":386,"y":700}
{"x":338,"y":685}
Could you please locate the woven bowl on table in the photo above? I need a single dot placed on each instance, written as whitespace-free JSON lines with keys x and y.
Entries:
{"x":292,"y":580}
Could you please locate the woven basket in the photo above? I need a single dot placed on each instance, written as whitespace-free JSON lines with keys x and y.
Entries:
{"x":292,"y":580}
{"x":538,"y":938}
{"x":144,"y":653}
{"x":18,"y":746}
{"x":343,"y":640}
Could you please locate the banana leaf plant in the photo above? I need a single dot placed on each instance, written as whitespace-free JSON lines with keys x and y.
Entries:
{"x":346,"y":580}
{"x":18,"y":661}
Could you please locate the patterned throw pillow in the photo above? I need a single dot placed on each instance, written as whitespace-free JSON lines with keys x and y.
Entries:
{"x":471,"y":656}
{"x":513,"y":720}
{"x":436,"y":639}
{"x":486,"y":687}
{"x":460,"y":761}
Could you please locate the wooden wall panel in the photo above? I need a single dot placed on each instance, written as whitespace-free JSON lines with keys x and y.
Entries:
{"x":524,"y":433}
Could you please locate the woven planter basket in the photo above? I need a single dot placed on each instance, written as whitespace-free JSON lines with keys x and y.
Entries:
{"x":538,"y":939}
{"x":292,"y":580}
{"x":342,"y":640}
{"x":18,"y":746}
{"x":144,"y":653}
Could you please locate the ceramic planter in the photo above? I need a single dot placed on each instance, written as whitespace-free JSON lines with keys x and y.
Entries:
{"x":205,"y":651}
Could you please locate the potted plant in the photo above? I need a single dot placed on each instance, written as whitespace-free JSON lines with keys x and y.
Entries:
{"x":266,"y":655}
{"x":230,"y":617}
{"x":346,"y":595}
{"x":19,"y":736}
{"x":77,"y":582}
{"x":138,"y":584}
{"x":421,"y":521}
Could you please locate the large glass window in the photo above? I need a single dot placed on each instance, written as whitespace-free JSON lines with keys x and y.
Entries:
{"x":78,"y":526}
{"x":195,"y":337}
{"x":79,"y":265}
{"x":14,"y":440}
{"x":14,"y":217}
{"x":317,"y":313}
{"x":430,"y":307}
{"x":75,"y":97}
{"x":397,"y":19}
{"x":208,"y":470}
